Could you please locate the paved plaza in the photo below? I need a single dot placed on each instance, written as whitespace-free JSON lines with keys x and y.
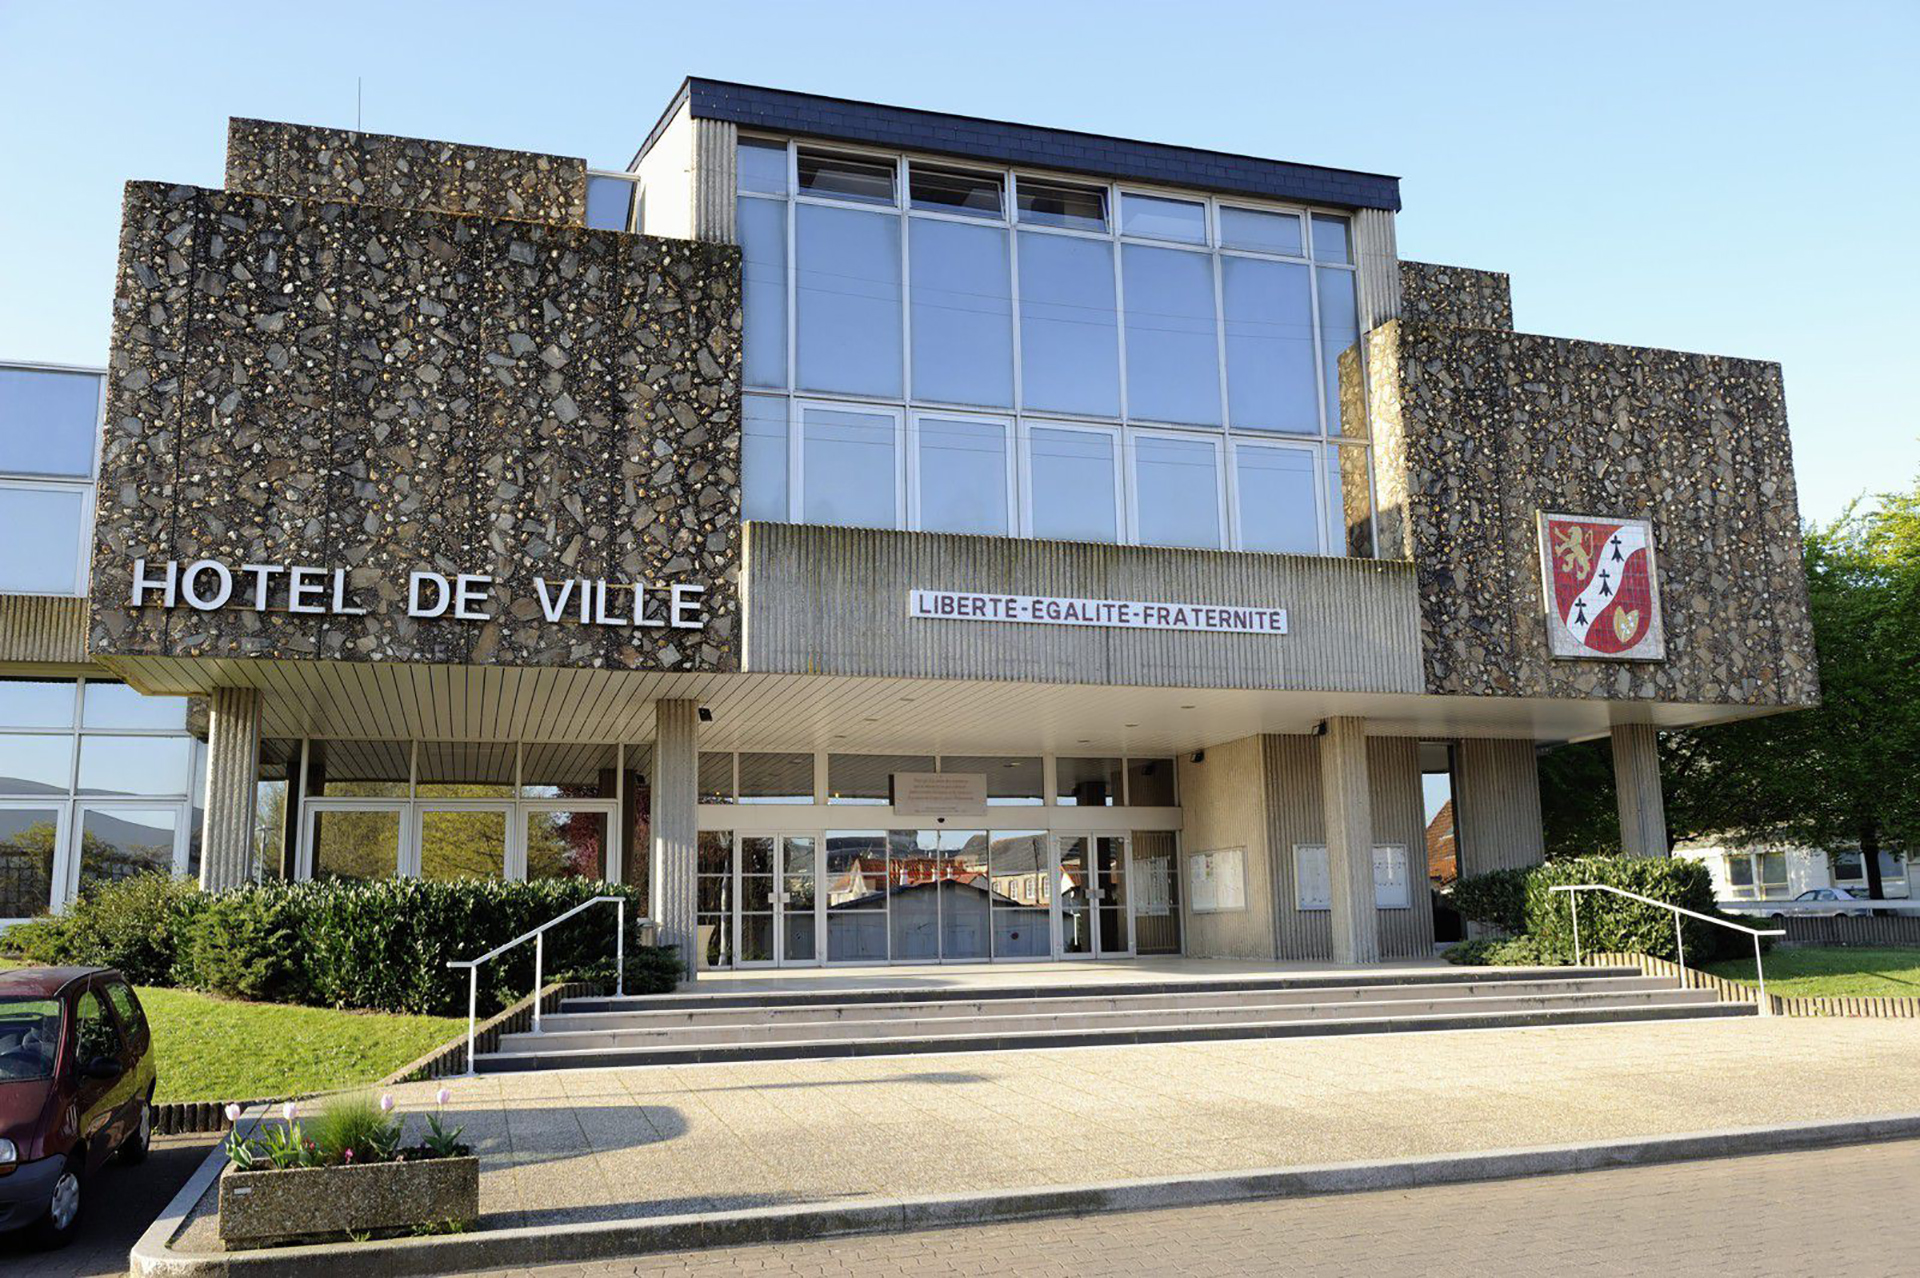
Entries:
{"x":1745,"y":1217}
{"x":598,"y":1145}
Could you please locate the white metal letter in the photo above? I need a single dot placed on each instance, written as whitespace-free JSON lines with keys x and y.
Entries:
{"x":444,"y":595}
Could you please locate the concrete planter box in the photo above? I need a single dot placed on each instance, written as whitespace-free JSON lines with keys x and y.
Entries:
{"x":261,"y":1208}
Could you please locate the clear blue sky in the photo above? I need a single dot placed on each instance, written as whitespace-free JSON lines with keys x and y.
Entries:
{"x":1725,"y":177}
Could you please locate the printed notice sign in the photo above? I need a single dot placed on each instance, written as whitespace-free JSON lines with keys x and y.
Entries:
{"x":940,"y":793}
{"x":1133,"y":614}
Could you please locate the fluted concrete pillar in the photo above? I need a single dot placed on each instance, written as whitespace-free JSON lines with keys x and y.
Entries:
{"x":233,"y":770}
{"x":675,"y":823}
{"x":1346,"y":796}
{"x":1636,"y":785}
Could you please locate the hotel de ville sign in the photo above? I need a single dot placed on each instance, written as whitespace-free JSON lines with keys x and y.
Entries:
{"x":208,"y":585}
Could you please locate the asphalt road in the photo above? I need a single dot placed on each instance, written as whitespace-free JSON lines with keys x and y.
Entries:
{"x":120,"y":1203}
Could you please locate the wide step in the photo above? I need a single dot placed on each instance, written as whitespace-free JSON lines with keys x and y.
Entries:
{"x":791,"y":1024}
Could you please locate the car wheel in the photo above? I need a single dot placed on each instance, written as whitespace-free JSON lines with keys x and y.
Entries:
{"x":134,"y":1148}
{"x":62,"y":1220}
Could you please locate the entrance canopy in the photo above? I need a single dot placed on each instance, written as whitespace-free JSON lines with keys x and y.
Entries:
{"x":794,"y":712}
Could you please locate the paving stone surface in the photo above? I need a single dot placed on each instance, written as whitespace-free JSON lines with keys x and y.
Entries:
{"x":591,"y":1145}
{"x":1736,"y":1216}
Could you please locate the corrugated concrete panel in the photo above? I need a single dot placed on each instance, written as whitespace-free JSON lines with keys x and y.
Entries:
{"x":715,"y":145}
{"x":834,"y":601}
{"x":1378,"y":259}
{"x":1498,"y":805}
{"x":1399,"y":816}
{"x":233,"y":761}
{"x":1636,"y":787}
{"x":1295,"y":816}
{"x":1223,"y":806}
{"x":43,"y":629}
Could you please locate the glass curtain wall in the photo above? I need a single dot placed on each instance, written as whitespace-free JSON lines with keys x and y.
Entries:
{"x":49,"y":448}
{"x":958,"y":349}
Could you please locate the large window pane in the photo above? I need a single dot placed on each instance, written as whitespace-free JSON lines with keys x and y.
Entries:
{"x":1087,"y":783}
{"x":610,"y":203}
{"x":868,"y":778}
{"x":846,"y":177}
{"x":856,"y":888}
{"x":115,"y":705}
{"x":1340,"y":347}
{"x":1071,"y":475}
{"x":1010,"y":781}
{"x":764,"y":462}
{"x":1260,"y":229}
{"x":1020,"y":877}
{"x":1330,"y":239}
{"x":1269,"y":314}
{"x":566,"y":845}
{"x":850,"y":468}
{"x":1173,"y":357}
{"x":962,"y":313}
{"x":49,"y":422}
{"x":39,"y":764}
{"x":1176,"y":491}
{"x":963,"y":475}
{"x":466,"y":770}
{"x":1150,"y":783}
{"x":563,"y":770}
{"x":1278,"y":509}
{"x":1069,"y":341}
{"x":463,"y":845}
{"x":763,"y":280}
{"x":118,"y":843}
{"x":134,"y":765}
{"x":359,"y":769}
{"x":713,"y":888}
{"x":776,"y":778}
{"x":41,"y":529}
{"x":913,"y":877}
{"x":1349,"y":501}
{"x":26,"y":860}
{"x":714,"y":781}
{"x":356,"y":845}
{"x":959,"y":191}
{"x":36,"y":703}
{"x":762,"y":166}
{"x":966,"y":893}
{"x":849,"y":305}
{"x":1080,"y":208}
{"x":1158,"y":218}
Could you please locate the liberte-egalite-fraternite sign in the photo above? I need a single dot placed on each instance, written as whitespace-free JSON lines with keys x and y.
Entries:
{"x":208,"y":585}
{"x":1131,"y":614}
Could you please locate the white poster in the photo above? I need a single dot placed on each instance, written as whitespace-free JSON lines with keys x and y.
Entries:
{"x":1312,"y":884}
{"x":1217,"y":880}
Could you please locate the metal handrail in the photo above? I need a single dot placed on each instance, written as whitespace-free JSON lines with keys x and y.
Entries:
{"x":1679,"y":941}
{"x":539,"y":938}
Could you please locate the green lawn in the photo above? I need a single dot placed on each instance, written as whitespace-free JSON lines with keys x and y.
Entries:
{"x":1805,"y":970}
{"x":220,"y":1049}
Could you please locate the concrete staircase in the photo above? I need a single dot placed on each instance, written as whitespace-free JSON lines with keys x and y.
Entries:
{"x":678,"y":1029}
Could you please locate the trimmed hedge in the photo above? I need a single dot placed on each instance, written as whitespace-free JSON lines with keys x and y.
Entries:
{"x":382,"y":945}
{"x":1523,"y":903}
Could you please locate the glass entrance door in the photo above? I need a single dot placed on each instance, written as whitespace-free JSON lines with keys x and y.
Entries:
{"x":1072,"y":879}
{"x":1114,"y":935}
{"x":461,"y":840}
{"x":799,"y":913}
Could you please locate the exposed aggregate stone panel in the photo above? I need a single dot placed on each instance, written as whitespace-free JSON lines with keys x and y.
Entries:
{"x":1480,"y":430}
{"x":1455,"y":295}
{"x":268,"y":158}
{"x":383,"y":390}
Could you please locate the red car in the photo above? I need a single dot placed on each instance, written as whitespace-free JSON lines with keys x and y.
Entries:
{"x":76,"y":1088}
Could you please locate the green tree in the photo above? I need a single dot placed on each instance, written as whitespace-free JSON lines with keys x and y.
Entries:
{"x":1845,"y":772}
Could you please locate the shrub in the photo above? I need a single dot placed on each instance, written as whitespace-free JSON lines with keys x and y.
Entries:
{"x":1609,"y":922}
{"x":1504,"y":951}
{"x":382,"y":945}
{"x":1497,"y":898}
{"x":135,"y":924}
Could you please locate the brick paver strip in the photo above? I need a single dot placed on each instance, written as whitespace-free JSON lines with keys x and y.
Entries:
{"x":580,"y":1147}
{"x":1762,"y":1215}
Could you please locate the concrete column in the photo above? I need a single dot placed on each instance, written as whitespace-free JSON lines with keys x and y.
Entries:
{"x":233,"y":769}
{"x":675,"y":833}
{"x":1346,"y":796}
{"x":1497,"y":805}
{"x":1636,"y":784}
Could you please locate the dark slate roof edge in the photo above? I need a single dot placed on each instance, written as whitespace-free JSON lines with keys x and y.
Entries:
{"x":1001,"y":142}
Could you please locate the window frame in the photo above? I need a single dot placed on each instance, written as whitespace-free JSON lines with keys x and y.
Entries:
{"x":1215,"y":443}
{"x":910,"y":405}
{"x":1113,"y":432}
{"x":1010,"y":467}
{"x":87,"y":485}
{"x":796,"y":452}
{"x":1316,"y":455}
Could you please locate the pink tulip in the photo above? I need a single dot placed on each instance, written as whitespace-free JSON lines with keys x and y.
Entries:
{"x":444,"y":1095}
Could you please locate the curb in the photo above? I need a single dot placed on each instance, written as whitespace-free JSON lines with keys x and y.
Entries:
{"x":604,"y":1240}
